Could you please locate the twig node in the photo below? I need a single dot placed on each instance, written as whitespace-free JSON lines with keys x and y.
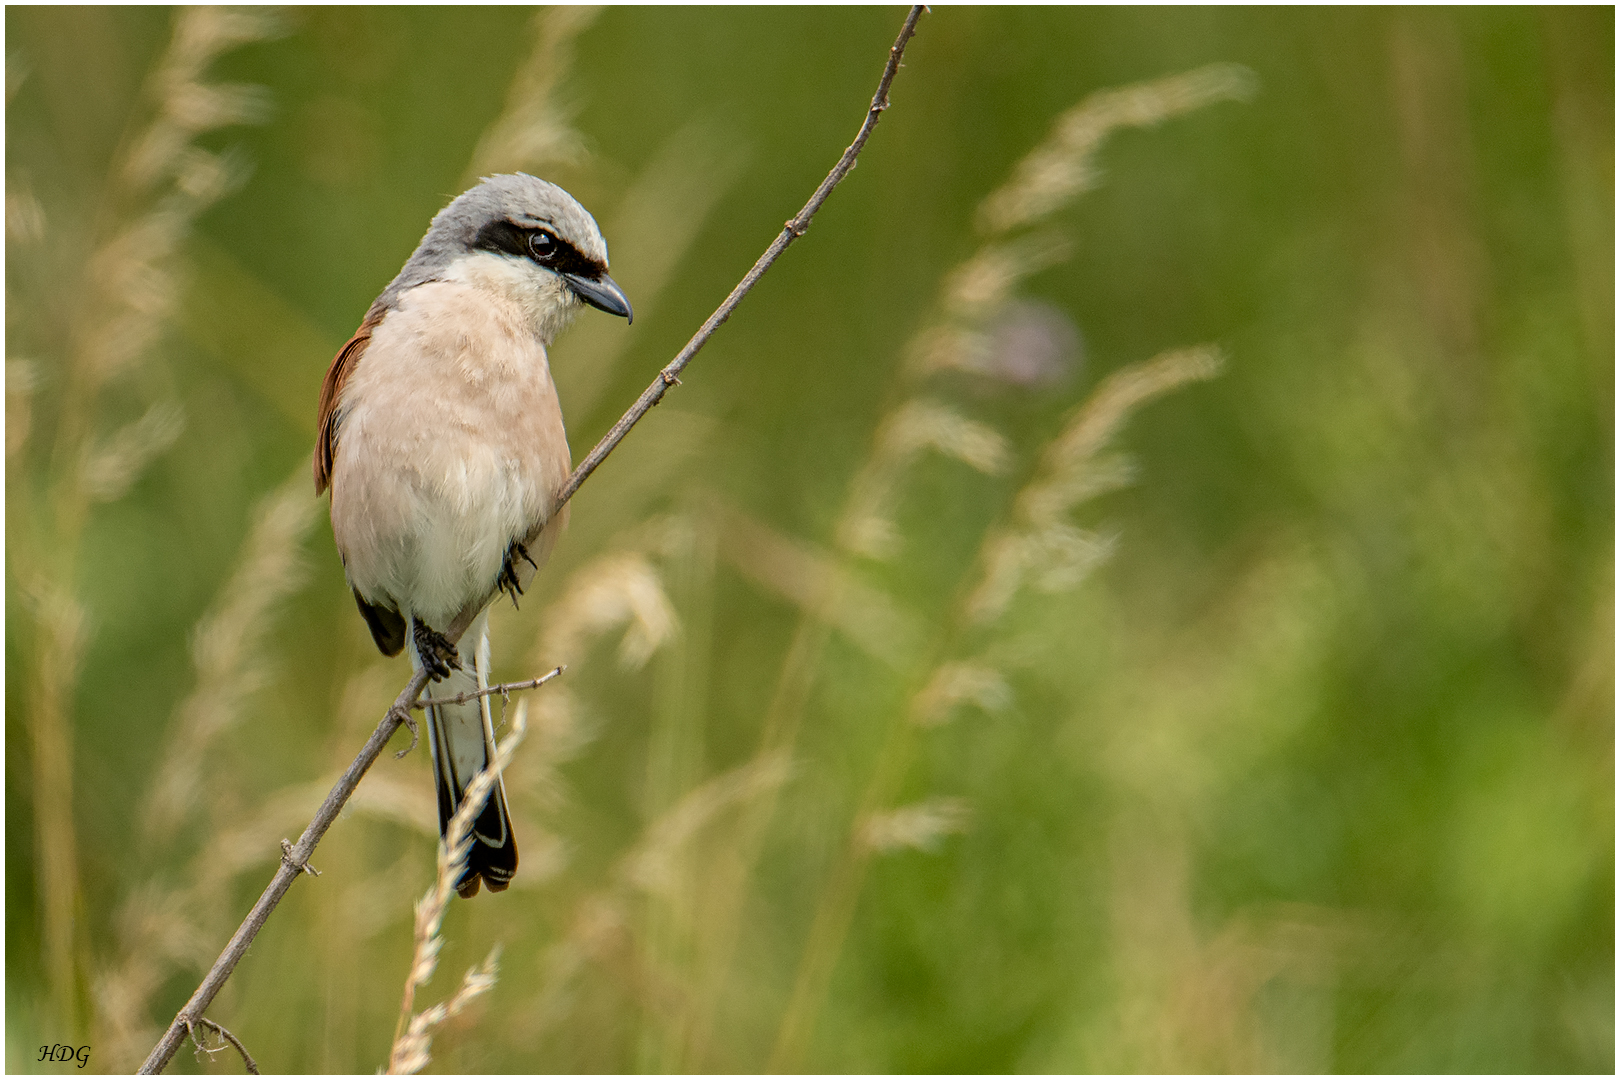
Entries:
{"x":287,"y":858}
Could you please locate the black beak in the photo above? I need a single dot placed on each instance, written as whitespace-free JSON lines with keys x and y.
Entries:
{"x":601,"y":292}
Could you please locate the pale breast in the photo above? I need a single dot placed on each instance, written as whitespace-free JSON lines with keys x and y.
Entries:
{"x":450,"y":446}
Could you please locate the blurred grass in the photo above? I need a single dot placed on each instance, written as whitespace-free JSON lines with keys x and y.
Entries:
{"x":1315,"y":773}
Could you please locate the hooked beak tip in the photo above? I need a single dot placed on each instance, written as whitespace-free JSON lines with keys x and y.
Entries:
{"x":603,"y":293}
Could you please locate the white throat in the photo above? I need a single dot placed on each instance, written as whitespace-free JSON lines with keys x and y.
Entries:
{"x":548,"y":304}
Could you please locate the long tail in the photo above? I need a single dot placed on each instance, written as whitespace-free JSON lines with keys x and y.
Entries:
{"x":462,"y":741}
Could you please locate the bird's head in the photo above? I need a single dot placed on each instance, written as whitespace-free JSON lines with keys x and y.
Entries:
{"x":528,"y":240}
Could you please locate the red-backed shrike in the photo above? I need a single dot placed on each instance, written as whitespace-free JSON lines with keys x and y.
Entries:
{"x":442,"y":442}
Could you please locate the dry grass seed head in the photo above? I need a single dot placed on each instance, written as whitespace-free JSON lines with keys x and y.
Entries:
{"x":403,"y":800}
{"x":110,"y":467}
{"x":823,"y":587}
{"x":958,"y":683}
{"x":129,"y":287}
{"x":920,"y":424}
{"x":561,"y":729}
{"x":979,"y":289}
{"x":1062,"y":166}
{"x":1024,"y":343}
{"x":22,"y":377}
{"x":227,"y":643}
{"x":25,"y":216}
{"x":1108,"y":407}
{"x":920,"y":826}
{"x":1062,"y":492}
{"x":652,"y":865}
{"x":1053,"y":559}
{"x":410,"y":1050}
{"x":187,"y":106}
{"x":1041,"y":548}
{"x":975,"y":290}
{"x":155,"y":931}
{"x":622,"y":589}
{"x":65,"y":629}
{"x":534,"y":129}
{"x":131,"y":272}
{"x":603,"y":931}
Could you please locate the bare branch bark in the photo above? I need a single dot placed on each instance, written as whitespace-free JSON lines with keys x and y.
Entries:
{"x":295,"y":862}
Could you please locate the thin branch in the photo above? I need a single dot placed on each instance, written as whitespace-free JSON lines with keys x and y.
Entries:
{"x":795,"y":227}
{"x":502,"y":689}
{"x":293,"y":863}
{"x":224,"y":1034}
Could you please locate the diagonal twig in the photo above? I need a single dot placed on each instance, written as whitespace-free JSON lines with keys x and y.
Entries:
{"x":292,"y":865}
{"x":795,"y":227}
{"x":293,"y":862}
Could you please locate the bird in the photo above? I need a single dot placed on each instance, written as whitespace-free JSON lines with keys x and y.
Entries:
{"x":441,"y":441}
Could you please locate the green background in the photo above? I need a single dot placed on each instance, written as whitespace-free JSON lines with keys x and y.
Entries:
{"x":1315,"y":774}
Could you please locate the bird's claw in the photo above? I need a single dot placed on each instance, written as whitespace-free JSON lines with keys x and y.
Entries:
{"x":508,"y":580}
{"x":438,"y":655}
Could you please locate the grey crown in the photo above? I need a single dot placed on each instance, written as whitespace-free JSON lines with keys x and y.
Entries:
{"x":524,"y":200}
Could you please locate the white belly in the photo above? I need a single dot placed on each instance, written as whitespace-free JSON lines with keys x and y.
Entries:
{"x":450,"y":447}
{"x":447,"y":530}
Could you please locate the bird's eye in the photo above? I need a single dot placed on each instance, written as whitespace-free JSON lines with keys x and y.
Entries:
{"x":542,"y":245}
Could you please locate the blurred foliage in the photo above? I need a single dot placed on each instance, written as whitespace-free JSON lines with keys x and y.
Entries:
{"x":1296,"y":753}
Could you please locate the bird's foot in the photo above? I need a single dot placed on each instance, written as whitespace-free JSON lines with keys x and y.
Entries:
{"x":508,"y":581}
{"x":438,"y":655}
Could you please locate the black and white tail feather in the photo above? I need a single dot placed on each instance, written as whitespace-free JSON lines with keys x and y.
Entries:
{"x":461,"y":739}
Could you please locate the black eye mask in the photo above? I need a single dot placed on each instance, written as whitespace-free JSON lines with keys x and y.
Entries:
{"x":540,"y":246}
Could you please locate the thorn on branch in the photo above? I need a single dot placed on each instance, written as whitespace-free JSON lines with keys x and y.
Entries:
{"x":287,"y":858}
{"x":670,"y":378}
